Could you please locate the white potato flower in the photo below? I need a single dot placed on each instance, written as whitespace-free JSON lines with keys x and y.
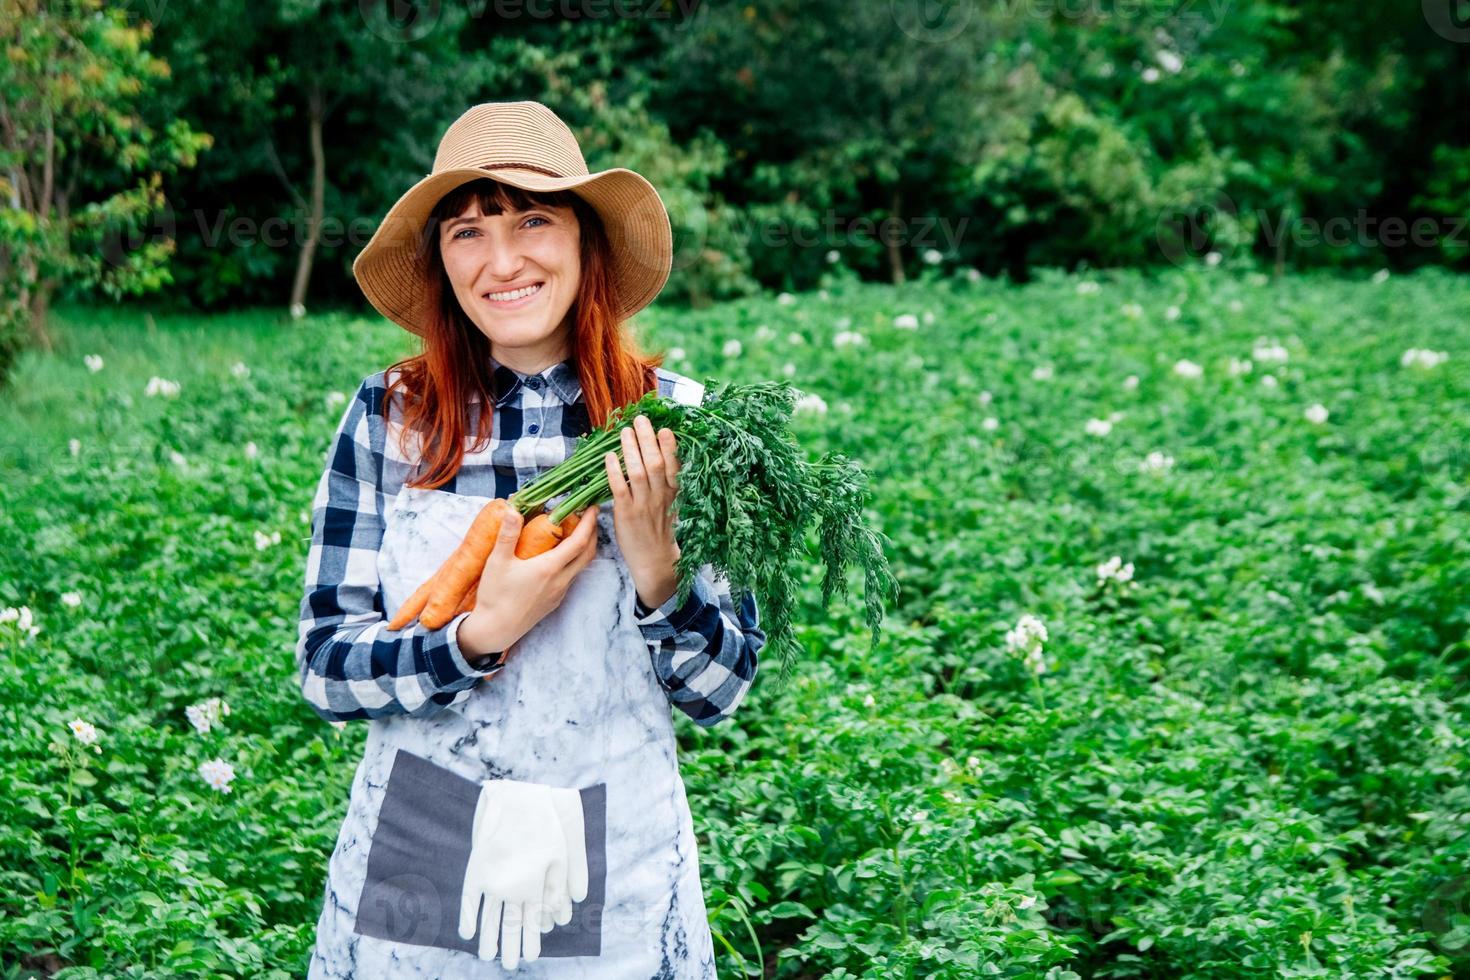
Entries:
{"x":218,"y":774}
{"x":1268,"y":350}
{"x":22,"y":619}
{"x":906,"y":321}
{"x":264,"y":541}
{"x":1172,"y":63}
{"x":72,"y":599}
{"x":240,"y":369}
{"x":1025,"y":639}
{"x":1042,"y":372}
{"x":1099,"y":427}
{"x":161,"y":386}
{"x":1269,"y":380}
{"x":732,"y":348}
{"x":1186,"y":368}
{"x":1130,"y":383}
{"x":206,"y":714}
{"x":833,"y":256}
{"x":1172,"y":313}
{"x":785,"y":299}
{"x":788,"y":369}
{"x":1087,"y":287}
{"x":990,"y":423}
{"x":251,"y":450}
{"x":85,"y":731}
{"x":809,"y":402}
{"x":845,"y":337}
{"x":1114,"y":570}
{"x":1380,"y":277}
{"x":932,"y":256}
{"x":1316,"y":414}
{"x":1157,"y":462}
{"x":1239,"y":366}
{"x":1132,"y":311}
{"x":93,"y":362}
{"x":1414,"y":357}
{"x":74,"y":446}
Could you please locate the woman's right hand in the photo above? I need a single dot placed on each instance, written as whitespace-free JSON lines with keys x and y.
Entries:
{"x":517,"y":593}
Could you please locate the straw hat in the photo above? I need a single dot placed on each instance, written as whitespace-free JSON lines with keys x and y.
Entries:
{"x":526,"y":145}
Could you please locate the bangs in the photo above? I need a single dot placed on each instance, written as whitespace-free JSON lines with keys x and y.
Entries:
{"x":494,"y":197}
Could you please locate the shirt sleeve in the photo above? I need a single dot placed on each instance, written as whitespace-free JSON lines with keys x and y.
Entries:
{"x":350,"y":665}
{"x":705,"y":652}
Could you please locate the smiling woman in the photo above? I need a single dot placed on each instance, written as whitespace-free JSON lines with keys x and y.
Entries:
{"x":526,"y":806}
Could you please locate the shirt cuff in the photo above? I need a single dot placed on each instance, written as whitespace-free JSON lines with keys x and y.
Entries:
{"x":670,"y":617}
{"x":459,"y":668}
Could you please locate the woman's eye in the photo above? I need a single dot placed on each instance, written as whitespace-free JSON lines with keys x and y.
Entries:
{"x":535,"y":217}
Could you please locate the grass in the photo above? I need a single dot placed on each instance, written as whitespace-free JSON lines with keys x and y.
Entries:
{"x":1248,"y":761}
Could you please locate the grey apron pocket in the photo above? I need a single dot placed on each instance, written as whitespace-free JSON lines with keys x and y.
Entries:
{"x":416,"y":863}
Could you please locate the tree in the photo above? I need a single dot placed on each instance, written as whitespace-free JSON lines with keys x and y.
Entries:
{"x":80,"y":173}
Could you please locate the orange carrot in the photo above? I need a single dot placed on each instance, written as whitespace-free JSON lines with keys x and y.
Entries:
{"x":465,"y":565}
{"x":415,"y":604}
{"x":540,"y":535}
{"x":471,"y":595}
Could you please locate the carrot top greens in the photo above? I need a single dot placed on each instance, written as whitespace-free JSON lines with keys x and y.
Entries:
{"x":747,"y":496}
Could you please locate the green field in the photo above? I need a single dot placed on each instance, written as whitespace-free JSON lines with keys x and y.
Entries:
{"x":1248,"y":761}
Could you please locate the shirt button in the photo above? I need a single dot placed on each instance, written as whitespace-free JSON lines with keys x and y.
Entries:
{"x":534,"y":383}
{"x":534,"y":428}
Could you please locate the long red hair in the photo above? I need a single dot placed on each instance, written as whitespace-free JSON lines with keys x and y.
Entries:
{"x":453,"y":367}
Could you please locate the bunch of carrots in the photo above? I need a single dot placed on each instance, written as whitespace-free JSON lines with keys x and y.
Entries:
{"x":452,"y":589}
{"x":746,"y":497}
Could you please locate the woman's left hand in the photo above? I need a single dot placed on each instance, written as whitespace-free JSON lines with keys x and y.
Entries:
{"x":643,"y":508}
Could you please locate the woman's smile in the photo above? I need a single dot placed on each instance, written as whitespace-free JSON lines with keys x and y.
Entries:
{"x":514,"y":299}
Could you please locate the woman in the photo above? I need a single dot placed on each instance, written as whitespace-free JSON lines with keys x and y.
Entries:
{"x":514,"y":812}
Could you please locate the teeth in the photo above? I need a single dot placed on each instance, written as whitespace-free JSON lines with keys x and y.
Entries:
{"x":514,"y":294}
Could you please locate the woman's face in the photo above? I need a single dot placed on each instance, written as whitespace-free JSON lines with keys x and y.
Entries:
{"x":490,"y":256}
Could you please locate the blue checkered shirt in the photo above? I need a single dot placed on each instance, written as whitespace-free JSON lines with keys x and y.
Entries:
{"x":351,"y":666}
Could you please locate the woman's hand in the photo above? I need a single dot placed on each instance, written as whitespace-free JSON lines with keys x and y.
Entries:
{"x":643,"y":508}
{"x":516,"y":594}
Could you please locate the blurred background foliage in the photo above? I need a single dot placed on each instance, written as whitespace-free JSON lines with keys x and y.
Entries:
{"x":228,"y":153}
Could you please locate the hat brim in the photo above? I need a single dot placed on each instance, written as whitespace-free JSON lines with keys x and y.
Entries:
{"x":392,"y":269}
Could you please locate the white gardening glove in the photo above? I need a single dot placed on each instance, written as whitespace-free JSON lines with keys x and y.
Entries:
{"x":563,"y":887}
{"x":519,"y":864}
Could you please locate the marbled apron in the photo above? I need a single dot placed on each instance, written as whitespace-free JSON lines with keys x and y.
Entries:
{"x":577,"y":706}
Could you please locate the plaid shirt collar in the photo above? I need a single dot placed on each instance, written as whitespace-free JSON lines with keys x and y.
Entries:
{"x":561,"y":379}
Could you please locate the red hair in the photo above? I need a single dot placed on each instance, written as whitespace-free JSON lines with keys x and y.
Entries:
{"x":454,"y":364}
